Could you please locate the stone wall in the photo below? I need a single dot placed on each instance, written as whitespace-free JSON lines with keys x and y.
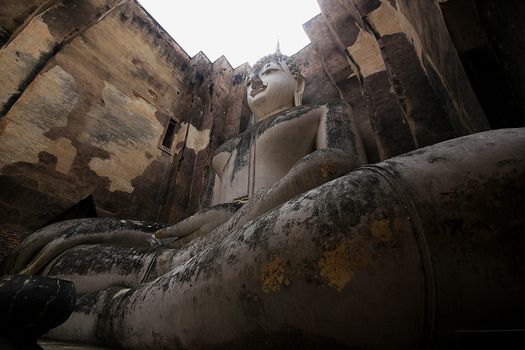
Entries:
{"x":396,"y":65}
{"x":88,"y":89}
{"x":219,"y":111}
{"x":13,"y":15}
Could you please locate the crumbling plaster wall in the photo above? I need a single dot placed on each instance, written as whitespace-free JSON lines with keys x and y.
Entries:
{"x":395,"y":64}
{"x":13,"y":15}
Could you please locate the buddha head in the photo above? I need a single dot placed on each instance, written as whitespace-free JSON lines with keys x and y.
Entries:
{"x":274,"y":85}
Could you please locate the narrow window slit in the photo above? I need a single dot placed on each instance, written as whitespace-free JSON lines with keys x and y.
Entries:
{"x":169,"y":135}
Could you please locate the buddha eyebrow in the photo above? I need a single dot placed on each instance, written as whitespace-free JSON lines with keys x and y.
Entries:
{"x":255,"y":72}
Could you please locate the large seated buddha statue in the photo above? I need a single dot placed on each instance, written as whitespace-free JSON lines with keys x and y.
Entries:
{"x":289,"y":149}
{"x":302,"y":249}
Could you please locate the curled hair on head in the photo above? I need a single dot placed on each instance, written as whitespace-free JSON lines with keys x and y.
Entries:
{"x":279,"y":57}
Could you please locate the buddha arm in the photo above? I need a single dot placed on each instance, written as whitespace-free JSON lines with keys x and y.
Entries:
{"x":313,"y":170}
{"x":337,"y":130}
{"x":200,"y":223}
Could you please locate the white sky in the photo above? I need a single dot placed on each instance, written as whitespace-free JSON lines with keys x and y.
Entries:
{"x":241,"y":30}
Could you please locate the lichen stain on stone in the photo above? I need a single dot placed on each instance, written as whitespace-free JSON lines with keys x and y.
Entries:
{"x":335,"y":267}
{"x":326,"y":171}
{"x":381,"y":229}
{"x":340,"y":261}
{"x":273,"y":277}
{"x":338,"y":264}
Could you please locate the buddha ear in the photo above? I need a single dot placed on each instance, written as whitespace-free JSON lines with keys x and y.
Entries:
{"x":298,"y":94}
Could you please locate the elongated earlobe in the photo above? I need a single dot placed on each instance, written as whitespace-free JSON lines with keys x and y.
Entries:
{"x":298,"y":94}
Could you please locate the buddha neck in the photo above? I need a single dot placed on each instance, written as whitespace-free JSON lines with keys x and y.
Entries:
{"x":262,"y":117}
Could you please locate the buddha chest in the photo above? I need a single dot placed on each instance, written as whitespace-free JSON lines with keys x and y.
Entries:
{"x":265,"y":153}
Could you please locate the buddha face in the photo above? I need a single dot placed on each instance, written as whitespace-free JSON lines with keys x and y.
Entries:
{"x":272,"y":89}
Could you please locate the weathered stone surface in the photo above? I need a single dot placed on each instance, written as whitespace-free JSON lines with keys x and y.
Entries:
{"x":381,"y":119}
{"x":176,"y":186}
{"x":221,"y":122}
{"x":93,"y":117}
{"x":97,"y":81}
{"x":93,"y":230}
{"x":345,"y":78}
{"x":377,"y":244}
{"x":424,"y":27}
{"x":222,"y":78}
{"x":57,"y":345}
{"x":238,"y":112}
{"x":387,"y":117}
{"x":218,"y":111}
{"x":93,"y":98}
{"x":15,"y":12}
{"x":30,"y":49}
{"x":319,"y":87}
{"x":488,"y":36}
{"x":428,"y":120}
{"x":505,"y":32}
{"x":334,"y":60}
{"x":31,"y":306}
{"x":421,"y":90}
{"x":366,"y":87}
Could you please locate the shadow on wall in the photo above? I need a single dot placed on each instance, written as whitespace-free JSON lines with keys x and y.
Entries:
{"x":488,"y":35}
{"x":84,"y":209}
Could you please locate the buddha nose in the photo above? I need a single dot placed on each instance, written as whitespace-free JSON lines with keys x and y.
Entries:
{"x":256,"y":82}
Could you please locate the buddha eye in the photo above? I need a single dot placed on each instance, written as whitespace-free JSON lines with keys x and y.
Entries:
{"x":268,"y":71}
{"x":248,"y":82}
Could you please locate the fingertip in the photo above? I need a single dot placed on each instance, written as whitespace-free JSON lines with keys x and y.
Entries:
{"x":160,"y":233}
